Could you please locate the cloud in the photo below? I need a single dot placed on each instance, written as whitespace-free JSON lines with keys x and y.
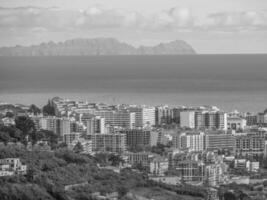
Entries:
{"x":237,"y":20}
{"x":182,"y":16}
{"x":93,"y":17}
{"x":32,"y":17}
{"x":98,"y":17}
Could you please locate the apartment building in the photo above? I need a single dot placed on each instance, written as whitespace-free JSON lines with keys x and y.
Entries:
{"x":59,"y":126}
{"x":118,"y":118}
{"x":250,"y":144}
{"x":138,"y":139}
{"x":108,"y":142}
{"x":163,"y":115}
{"x":96,"y":125}
{"x":192,"y":141}
{"x":219,"y":141}
{"x":211,"y":120}
{"x":144,"y":116}
{"x":187,"y":119}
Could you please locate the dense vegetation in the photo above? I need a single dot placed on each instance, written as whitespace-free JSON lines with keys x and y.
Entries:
{"x":34,"y":109}
{"x":48,"y":109}
{"x":49,"y":172}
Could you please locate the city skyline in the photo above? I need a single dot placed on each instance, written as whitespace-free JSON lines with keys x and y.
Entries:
{"x":129,"y":100}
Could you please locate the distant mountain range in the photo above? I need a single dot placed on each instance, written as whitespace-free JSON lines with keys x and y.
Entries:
{"x":98,"y":46}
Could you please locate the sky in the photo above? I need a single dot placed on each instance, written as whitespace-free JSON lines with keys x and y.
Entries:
{"x":210,"y":26}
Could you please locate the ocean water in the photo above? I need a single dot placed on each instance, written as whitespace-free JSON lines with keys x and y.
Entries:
{"x":228,"y":81}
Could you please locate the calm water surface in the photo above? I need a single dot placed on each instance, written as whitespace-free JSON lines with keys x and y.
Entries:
{"x":229,"y":81}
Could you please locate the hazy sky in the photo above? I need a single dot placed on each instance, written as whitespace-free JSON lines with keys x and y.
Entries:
{"x":210,"y":26}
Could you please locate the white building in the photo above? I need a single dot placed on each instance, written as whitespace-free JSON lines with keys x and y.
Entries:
{"x":251,"y":166}
{"x":187,"y":119}
{"x":96,"y":125}
{"x":12,"y":166}
{"x":236,"y":123}
{"x":120,"y":118}
{"x":193,"y":141}
{"x":59,"y":126}
{"x":144,"y":116}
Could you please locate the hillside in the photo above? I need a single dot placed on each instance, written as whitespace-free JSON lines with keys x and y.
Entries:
{"x":50,"y":172}
{"x":98,"y":46}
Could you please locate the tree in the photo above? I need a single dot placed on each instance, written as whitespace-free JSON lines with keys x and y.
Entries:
{"x":25,"y":124}
{"x":102,"y":158}
{"x":78,"y":148}
{"x":45,"y":135}
{"x":140,"y":167}
{"x":34,"y":109}
{"x":115,"y":159}
{"x":159,"y":149}
{"x":49,"y":109}
{"x":9,"y":114}
{"x":10,"y":134}
{"x":4,"y":137}
{"x":122,"y":190}
{"x":62,"y":145}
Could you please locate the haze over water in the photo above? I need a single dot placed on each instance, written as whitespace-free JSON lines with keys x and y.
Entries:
{"x":228,"y":81}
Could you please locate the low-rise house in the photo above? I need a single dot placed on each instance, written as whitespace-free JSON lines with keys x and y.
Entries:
{"x":109,"y":196}
{"x":39,"y":146}
{"x":170,"y":180}
{"x":12,"y":166}
{"x":86,"y":144}
{"x":251,"y":166}
{"x":7,"y":121}
{"x":139,"y":159}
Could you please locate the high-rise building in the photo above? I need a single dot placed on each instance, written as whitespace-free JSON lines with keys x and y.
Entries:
{"x":220,"y":141}
{"x":176,"y":115}
{"x":187,"y":119}
{"x":108,"y":142}
{"x":251,"y":120}
{"x":117,"y":118}
{"x":262,"y":118}
{"x":205,"y":167}
{"x":138,"y":139}
{"x":76,"y":126}
{"x":250,"y":144}
{"x":59,"y":126}
{"x":163,"y":115}
{"x":187,"y":168}
{"x":96,"y":125}
{"x":193,"y":141}
{"x":69,"y":138}
{"x":211,"y":120}
{"x":144,"y":116}
{"x":64,"y":126}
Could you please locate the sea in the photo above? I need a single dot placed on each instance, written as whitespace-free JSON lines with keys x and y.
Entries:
{"x":231,"y":82}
